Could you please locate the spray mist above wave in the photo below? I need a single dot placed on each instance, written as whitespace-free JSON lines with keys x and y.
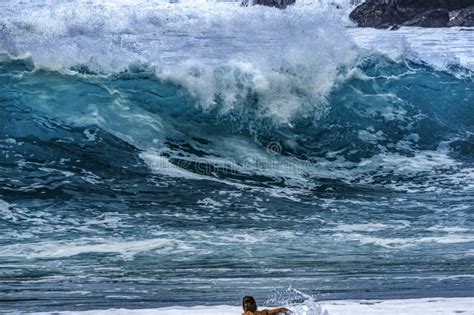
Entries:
{"x":111,"y":35}
{"x":220,"y":53}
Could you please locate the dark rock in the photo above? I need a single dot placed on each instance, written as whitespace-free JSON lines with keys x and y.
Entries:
{"x":430,"y":18}
{"x":377,"y":14}
{"x":459,"y":4}
{"x":432,"y":4}
{"x":464,"y":17}
{"x":421,"y":4}
{"x":271,"y":3}
{"x":424,"y":13}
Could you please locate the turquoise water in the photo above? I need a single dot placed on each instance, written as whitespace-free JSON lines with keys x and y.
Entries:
{"x":336,"y":171}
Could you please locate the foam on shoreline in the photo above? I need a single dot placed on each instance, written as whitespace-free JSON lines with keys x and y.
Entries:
{"x":426,"y":306}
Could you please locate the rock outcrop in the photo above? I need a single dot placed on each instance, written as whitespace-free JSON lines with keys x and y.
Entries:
{"x":430,"y":18}
{"x":271,"y":3}
{"x":423,"y":13}
{"x":463,"y":17}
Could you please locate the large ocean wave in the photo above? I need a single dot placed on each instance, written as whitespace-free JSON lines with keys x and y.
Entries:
{"x":372,"y":121}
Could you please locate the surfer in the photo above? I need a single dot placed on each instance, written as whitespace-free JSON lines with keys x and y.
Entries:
{"x":250,"y":308}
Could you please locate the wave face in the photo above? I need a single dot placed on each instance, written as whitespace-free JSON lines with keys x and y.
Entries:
{"x":156,"y":154}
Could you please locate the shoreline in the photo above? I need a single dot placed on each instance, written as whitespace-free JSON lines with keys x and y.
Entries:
{"x":425,"y":306}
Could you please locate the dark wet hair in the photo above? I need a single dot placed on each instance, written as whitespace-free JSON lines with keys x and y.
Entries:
{"x":249,"y":304}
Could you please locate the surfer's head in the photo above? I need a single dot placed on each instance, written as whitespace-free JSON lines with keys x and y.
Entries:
{"x":249,"y":304}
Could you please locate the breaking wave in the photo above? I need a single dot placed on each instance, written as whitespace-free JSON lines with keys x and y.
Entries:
{"x":369,"y":120}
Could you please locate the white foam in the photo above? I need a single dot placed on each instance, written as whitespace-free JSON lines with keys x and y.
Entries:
{"x":427,"y":306}
{"x":14,"y":214}
{"x":406,"y":242}
{"x":161,"y":165}
{"x":368,"y":227}
{"x":60,"y":249}
{"x":439,"y":47}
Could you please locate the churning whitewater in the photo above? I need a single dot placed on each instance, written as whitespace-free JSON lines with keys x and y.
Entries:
{"x":156,"y":154}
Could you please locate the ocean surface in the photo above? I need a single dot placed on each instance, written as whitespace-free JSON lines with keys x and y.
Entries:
{"x":157,"y":154}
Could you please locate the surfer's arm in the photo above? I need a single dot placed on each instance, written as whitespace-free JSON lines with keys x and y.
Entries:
{"x":274,"y":311}
{"x":269,"y":312}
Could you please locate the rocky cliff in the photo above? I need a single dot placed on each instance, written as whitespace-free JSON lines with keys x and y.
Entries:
{"x":424,"y":13}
